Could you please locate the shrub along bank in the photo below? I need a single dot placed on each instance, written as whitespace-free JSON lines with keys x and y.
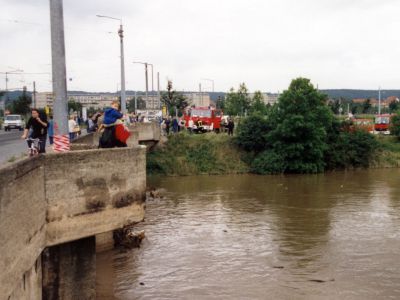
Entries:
{"x":196,"y":154}
{"x":214,"y":154}
{"x":298,"y":135}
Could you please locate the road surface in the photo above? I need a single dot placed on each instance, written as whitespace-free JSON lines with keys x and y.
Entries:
{"x":11,"y":145}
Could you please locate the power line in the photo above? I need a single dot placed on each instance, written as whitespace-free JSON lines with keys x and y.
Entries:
{"x":47,"y":25}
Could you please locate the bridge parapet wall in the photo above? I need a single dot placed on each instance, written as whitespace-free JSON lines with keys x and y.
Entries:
{"x":58,"y":198}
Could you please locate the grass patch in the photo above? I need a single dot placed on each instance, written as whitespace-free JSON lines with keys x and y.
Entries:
{"x":388,"y":156}
{"x":186,"y":154}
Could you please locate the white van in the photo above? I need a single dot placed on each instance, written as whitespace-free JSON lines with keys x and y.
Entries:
{"x":14,"y":122}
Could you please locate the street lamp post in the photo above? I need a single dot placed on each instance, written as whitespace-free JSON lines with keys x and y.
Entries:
{"x":121,"y":36}
{"x":379,"y":105}
{"x":147,"y":78}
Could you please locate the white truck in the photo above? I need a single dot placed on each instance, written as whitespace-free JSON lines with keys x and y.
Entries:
{"x":13,"y":122}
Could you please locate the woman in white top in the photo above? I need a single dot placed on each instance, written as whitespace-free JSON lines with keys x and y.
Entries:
{"x":71,"y":127}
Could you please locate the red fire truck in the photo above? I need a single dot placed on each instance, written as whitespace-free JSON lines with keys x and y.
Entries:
{"x":204,"y":119}
{"x":382,"y":123}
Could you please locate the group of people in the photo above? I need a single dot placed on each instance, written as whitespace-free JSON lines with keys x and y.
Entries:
{"x":174,"y":125}
{"x":109,"y":122}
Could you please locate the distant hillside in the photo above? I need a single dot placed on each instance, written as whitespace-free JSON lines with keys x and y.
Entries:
{"x":352,"y":94}
{"x":13,"y":95}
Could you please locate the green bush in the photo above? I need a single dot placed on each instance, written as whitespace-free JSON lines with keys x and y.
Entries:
{"x":301,"y":135}
{"x":269,"y":162}
{"x":251,"y":133}
{"x":395,"y":126}
{"x":351,"y":149}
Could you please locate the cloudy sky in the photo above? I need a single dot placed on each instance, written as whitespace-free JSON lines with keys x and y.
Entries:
{"x":264,"y":43}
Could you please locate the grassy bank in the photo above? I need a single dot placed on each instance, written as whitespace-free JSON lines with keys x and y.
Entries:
{"x":388,"y":156}
{"x":196,"y":154}
{"x":217,"y":154}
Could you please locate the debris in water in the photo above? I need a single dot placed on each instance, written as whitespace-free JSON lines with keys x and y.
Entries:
{"x":153,"y":193}
{"x":128,"y":238}
{"x":278,"y":267}
{"x":320,"y":280}
{"x":142,"y":283}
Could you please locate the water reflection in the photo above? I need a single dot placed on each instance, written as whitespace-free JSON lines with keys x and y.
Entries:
{"x":257,"y":237}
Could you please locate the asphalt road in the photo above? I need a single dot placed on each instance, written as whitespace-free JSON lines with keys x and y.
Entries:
{"x":11,"y":145}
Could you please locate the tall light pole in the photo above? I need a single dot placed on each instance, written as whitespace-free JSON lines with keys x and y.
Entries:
{"x":60,"y":110}
{"x":158,"y":90}
{"x":146,"y":77}
{"x":152,"y":84}
{"x":379,"y":105}
{"x":121,"y":36}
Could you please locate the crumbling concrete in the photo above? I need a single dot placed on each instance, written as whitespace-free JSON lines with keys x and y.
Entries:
{"x":59,"y":198}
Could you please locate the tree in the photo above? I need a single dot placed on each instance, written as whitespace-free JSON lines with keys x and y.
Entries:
{"x":257,"y":104}
{"x":74,"y":106}
{"x":395,"y":125}
{"x":252,"y":133}
{"x":394,"y":106}
{"x":366,"y":106}
{"x":141,"y":104}
{"x":23,"y":104}
{"x":335,"y":106}
{"x":237,"y":103}
{"x":174,"y":101}
{"x":220,"y":104}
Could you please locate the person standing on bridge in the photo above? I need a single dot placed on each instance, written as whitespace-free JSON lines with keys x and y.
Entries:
{"x":50,"y":130}
{"x":115,"y":133}
{"x":38,"y":126}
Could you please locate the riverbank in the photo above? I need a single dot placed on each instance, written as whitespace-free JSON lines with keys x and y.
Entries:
{"x":388,"y":156}
{"x":198,"y":154}
{"x":217,"y":154}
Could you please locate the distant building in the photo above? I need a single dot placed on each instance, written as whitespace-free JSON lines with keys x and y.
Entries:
{"x":102,"y":100}
{"x":95,"y":100}
{"x":198,"y":99}
{"x":268,"y":98}
{"x":44,"y":99}
{"x":152,"y":102}
{"x":375,"y":102}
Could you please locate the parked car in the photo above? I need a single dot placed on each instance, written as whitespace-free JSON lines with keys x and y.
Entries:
{"x":13,"y":122}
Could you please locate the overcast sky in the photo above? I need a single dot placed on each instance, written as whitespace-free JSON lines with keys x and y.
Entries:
{"x":264,"y":43}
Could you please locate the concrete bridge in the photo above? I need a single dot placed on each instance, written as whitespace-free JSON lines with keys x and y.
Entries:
{"x":141,"y":133}
{"x":54,"y":209}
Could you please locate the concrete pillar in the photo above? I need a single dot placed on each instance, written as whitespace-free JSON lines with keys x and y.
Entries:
{"x":69,"y":270}
{"x":104,"y":242}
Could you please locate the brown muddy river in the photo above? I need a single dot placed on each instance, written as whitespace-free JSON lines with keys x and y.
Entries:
{"x":333,"y":236}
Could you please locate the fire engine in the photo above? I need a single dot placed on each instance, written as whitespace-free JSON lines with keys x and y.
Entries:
{"x":382,"y":123}
{"x":204,"y":119}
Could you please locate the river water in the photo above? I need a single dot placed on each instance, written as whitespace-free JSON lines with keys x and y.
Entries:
{"x":332,"y":236}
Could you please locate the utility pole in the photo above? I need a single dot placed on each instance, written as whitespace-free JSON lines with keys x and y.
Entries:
{"x":60,"y":110}
{"x":135,"y":102}
{"x":147,"y":83}
{"x":379,"y":105}
{"x":200,"y":95}
{"x":121,"y":36}
{"x":158,"y":90}
{"x":123,"y":93}
{"x":34,"y":95}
